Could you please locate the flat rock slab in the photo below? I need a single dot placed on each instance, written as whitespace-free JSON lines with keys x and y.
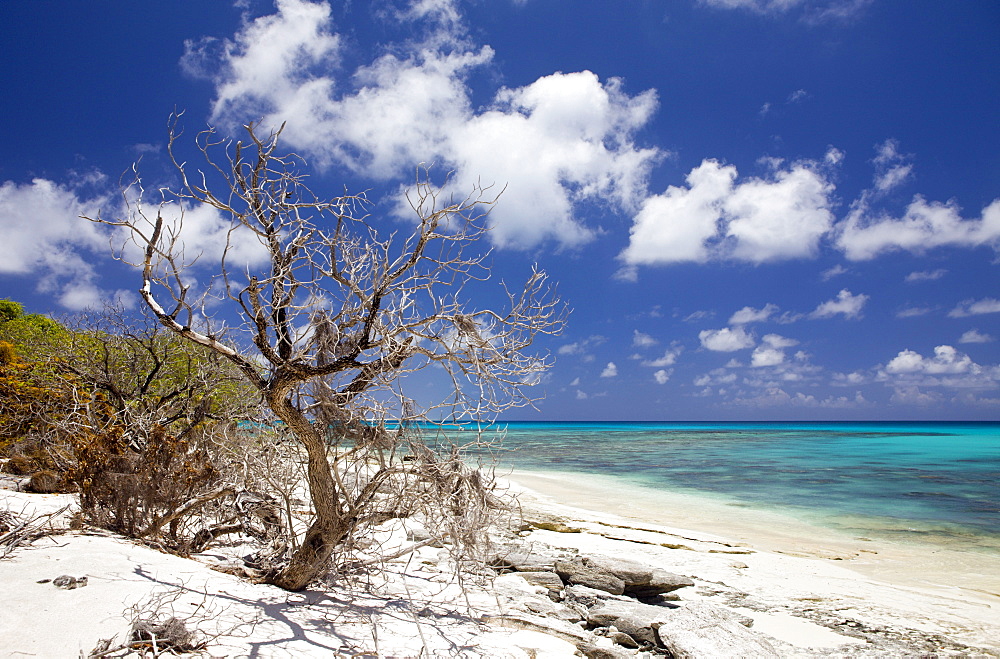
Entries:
{"x":520,"y":560}
{"x":548,"y":580}
{"x":641,"y":580}
{"x":636,"y":619}
{"x":703,"y":630}
{"x":579,"y":571}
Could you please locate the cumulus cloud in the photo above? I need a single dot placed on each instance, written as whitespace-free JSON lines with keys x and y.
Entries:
{"x":716,"y":377}
{"x":924,"y":225}
{"x":713,"y":217}
{"x":727,"y":339}
{"x":583,"y":347}
{"x":845,"y":303}
{"x":946,"y":368}
{"x":778,"y":341}
{"x":775,"y":396}
{"x":867,"y":232}
{"x":945,"y":360}
{"x":610,"y":371}
{"x":751,"y":315}
{"x":565,"y":139}
{"x":42,"y":226}
{"x":662,"y":376}
{"x":914,"y":396}
{"x":766,"y":356}
{"x":669,"y":358}
{"x":45,"y":237}
{"x":975,"y":336}
{"x":975,"y":308}
{"x":643,"y":340}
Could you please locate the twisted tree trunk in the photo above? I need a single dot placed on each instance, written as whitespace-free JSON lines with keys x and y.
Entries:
{"x":331,"y":524}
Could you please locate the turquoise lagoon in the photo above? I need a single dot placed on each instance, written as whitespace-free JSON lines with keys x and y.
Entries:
{"x":924,"y":482}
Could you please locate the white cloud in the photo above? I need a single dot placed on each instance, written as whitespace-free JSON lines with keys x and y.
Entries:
{"x":581,"y":395}
{"x":610,"y":371}
{"x":42,"y":227}
{"x":766,"y":356}
{"x":775,"y":396}
{"x":975,"y":308}
{"x":564,"y":139}
{"x":946,"y":360}
{"x":643,"y":340}
{"x":754,"y":5}
{"x":779,"y":219}
{"x":913,"y":396}
{"x":45,"y":237}
{"x":713,"y":218}
{"x":716,"y":377}
{"x":583,"y":347}
{"x":206,"y":237}
{"x":814,"y":11}
{"x":661,"y":376}
{"x":677,"y":225}
{"x":669,"y":358}
{"x":913,"y":312}
{"x":975,"y":336}
{"x":830,"y":273}
{"x":751,"y":315}
{"x":268,"y":65}
{"x":926,"y":275}
{"x":728,"y":339}
{"x":845,"y":303}
{"x":778,"y":341}
{"x":575,"y":382}
{"x":850,"y":379}
{"x":924,"y":225}
{"x":798,"y":96}
{"x":892,"y":169}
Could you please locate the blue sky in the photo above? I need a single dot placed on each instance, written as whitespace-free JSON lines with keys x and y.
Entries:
{"x":757,"y":209}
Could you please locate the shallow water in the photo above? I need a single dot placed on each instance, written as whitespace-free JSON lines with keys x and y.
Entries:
{"x":928,"y":482}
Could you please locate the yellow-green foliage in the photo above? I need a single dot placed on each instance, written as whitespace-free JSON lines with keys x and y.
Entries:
{"x":25,"y":401}
{"x":9,"y":310}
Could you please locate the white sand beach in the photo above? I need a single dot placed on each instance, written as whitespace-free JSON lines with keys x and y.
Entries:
{"x":808,"y":592}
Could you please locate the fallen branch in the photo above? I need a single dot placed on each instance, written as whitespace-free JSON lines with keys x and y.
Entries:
{"x":24,"y":532}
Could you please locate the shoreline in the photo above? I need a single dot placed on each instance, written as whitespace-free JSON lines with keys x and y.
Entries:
{"x":787,"y":567}
{"x":895,"y":561}
{"x":805,"y":603}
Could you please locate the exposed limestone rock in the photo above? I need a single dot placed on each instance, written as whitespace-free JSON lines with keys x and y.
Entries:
{"x":630,"y":617}
{"x":702,"y":630}
{"x":521,"y":560}
{"x":547,"y":522}
{"x":580,"y":571}
{"x":548,"y":580}
{"x":584,"y":597}
{"x":557,"y":628}
{"x":606,"y":652}
{"x":641,"y":580}
{"x":546,"y":607}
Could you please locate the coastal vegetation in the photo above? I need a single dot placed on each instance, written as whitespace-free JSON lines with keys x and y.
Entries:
{"x":275,"y":376}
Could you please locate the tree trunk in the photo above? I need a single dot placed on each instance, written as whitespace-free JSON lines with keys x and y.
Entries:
{"x":329,"y":527}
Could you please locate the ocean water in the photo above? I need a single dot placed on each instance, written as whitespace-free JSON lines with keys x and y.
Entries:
{"x":933,"y":482}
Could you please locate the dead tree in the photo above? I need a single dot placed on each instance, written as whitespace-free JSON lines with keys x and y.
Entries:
{"x":339,"y":317}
